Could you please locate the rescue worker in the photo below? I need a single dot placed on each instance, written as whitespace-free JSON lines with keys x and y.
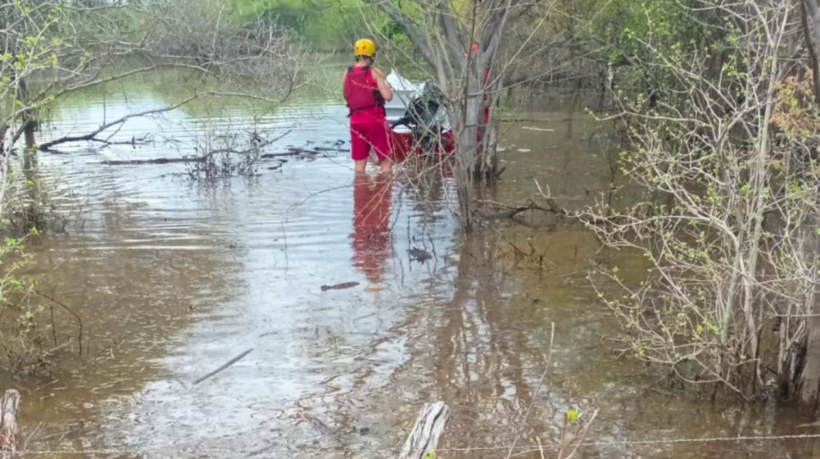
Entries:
{"x":366,"y":92}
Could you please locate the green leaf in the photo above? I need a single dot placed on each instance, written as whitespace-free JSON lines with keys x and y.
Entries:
{"x":573,"y":415}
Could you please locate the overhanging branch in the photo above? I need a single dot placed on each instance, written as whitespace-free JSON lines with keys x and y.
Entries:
{"x":406,"y":23}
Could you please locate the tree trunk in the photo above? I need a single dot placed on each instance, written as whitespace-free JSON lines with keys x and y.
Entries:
{"x":8,"y":423}
{"x":465,"y":122}
{"x":34,"y":210}
{"x":810,"y":381}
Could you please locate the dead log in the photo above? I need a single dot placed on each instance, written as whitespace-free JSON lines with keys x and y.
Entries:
{"x":8,"y":423}
{"x":421,"y":444}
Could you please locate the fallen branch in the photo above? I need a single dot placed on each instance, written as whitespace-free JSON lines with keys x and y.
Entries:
{"x":224,"y":366}
{"x":91,"y":136}
{"x":303,"y":151}
{"x":196,"y":159}
{"x":340,"y":150}
{"x":290,"y":152}
{"x":137,"y":162}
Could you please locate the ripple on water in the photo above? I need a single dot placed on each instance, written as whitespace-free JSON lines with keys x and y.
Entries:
{"x":173,"y":279}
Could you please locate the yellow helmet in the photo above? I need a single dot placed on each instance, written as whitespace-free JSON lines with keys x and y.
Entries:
{"x":365,"y":47}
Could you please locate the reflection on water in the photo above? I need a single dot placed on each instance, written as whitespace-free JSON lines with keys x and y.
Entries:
{"x":371,"y":224}
{"x":174,"y":279}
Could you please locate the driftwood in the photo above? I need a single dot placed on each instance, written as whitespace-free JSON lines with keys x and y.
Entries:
{"x":423,"y":439}
{"x":8,"y":423}
{"x":224,"y":366}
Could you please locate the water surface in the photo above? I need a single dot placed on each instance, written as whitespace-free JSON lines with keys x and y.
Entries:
{"x":173,"y":278}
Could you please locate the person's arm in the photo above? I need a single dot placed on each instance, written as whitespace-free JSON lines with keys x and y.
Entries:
{"x":384,"y":88}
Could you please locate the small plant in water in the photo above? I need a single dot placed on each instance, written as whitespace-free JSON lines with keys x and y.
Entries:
{"x":21,"y":337}
{"x":223,"y":163}
{"x":226,"y":153}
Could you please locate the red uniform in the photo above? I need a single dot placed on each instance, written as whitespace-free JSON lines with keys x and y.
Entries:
{"x":368,"y":123}
{"x":371,"y":224}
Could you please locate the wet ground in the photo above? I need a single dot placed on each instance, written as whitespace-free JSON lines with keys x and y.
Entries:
{"x":174,"y":278}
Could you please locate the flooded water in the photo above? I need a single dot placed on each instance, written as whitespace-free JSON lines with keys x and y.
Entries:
{"x":174,"y":278}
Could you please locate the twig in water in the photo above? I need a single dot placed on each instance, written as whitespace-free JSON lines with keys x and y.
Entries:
{"x":577,"y":437}
{"x":53,"y":325}
{"x":31,"y":435}
{"x":77,"y":316}
{"x":223,"y":367}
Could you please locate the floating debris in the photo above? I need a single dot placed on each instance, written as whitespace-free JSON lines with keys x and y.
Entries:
{"x":419,"y":255}
{"x":341,"y":286}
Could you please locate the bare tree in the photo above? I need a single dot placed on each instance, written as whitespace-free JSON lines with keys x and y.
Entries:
{"x":722,"y":222}
{"x":444,"y":35}
{"x":52,"y":48}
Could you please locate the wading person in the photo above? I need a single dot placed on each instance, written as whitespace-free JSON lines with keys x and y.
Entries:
{"x":366,"y":91}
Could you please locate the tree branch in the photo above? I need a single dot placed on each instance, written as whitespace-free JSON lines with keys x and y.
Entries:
{"x":406,"y":23}
{"x":92,"y":135}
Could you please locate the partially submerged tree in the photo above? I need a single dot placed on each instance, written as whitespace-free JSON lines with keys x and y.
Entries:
{"x":52,"y":48}
{"x":806,"y":130}
{"x":727,"y":158}
{"x":459,"y":44}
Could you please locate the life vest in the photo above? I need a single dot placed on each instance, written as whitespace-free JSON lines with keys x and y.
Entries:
{"x":361,"y":90}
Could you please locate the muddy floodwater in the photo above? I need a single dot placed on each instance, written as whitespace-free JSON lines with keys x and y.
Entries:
{"x":174,"y":278}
